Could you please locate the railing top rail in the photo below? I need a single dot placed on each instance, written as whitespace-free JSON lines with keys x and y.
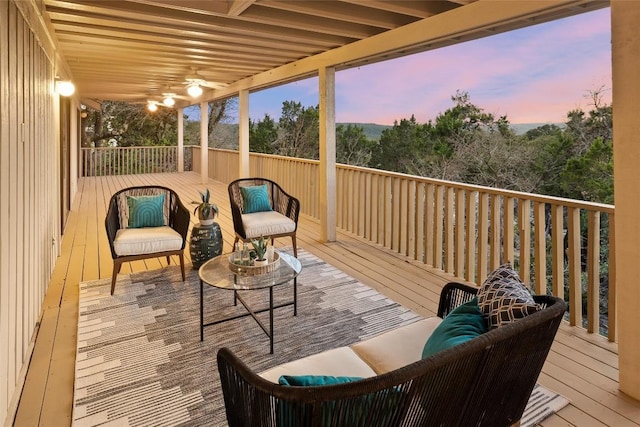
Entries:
{"x":590,"y":206}
{"x":134,"y":147}
{"x":287,"y":158}
{"x":224,"y":150}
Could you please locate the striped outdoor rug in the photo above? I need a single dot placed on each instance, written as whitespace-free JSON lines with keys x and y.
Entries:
{"x":140,"y":361}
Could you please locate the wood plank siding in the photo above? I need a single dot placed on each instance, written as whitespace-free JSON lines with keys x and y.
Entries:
{"x":581,"y":366}
{"x":29,"y":194}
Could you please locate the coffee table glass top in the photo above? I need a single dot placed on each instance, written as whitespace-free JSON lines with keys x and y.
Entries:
{"x":216,"y":272}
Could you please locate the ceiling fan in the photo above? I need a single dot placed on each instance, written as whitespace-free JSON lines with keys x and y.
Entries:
{"x":195,"y":82}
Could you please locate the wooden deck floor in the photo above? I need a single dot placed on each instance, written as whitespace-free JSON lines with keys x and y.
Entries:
{"x":581,"y":366}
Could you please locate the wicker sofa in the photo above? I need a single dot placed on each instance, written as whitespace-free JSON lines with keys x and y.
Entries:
{"x":485,"y":381}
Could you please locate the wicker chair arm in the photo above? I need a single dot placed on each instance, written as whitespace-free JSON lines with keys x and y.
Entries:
{"x":235,"y":200}
{"x":284,"y":202}
{"x":181,"y":218}
{"x":112,"y":224}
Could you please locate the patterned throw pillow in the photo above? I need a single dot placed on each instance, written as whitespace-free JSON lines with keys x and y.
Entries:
{"x":255,"y":199}
{"x":504,"y":298}
{"x":146,"y":211}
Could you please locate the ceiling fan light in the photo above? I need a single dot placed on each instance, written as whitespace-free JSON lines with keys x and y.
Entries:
{"x":169,"y":101}
{"x":152,"y":106}
{"x":194,"y":90}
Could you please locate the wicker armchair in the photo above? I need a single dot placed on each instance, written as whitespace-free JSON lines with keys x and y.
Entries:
{"x":130,"y":244}
{"x":281,"y":222}
{"x":486,"y":381}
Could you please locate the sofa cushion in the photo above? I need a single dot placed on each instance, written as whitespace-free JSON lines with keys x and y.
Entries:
{"x":138,"y":241}
{"x":397,"y":348}
{"x":255,"y":199}
{"x":268,"y":223}
{"x":465,"y":322}
{"x":338,"y":362}
{"x":146,"y":211}
{"x":504,"y":298}
{"x":314,"y":380}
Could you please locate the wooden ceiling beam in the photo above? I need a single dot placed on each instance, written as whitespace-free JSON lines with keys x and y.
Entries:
{"x":237,"y":7}
{"x":358,"y":13}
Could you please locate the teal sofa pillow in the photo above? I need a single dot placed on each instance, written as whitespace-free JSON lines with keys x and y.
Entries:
{"x":381,"y":406}
{"x":314,"y":380}
{"x":465,"y":322}
{"x":255,"y":199}
{"x":146,"y":211}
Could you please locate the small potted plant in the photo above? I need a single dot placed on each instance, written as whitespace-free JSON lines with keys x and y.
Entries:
{"x":206,"y":211}
{"x":260,"y":248}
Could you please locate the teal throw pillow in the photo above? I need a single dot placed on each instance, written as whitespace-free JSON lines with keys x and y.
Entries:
{"x":379,"y":409}
{"x":314,"y":380}
{"x":465,"y":322}
{"x":146,"y":211}
{"x":255,"y":199}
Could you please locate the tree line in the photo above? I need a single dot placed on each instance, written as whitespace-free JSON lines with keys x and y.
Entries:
{"x":463,"y":143}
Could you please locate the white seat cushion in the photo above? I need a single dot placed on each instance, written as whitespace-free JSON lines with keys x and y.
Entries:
{"x":267,"y":223}
{"x":397,"y":348}
{"x":148,"y":240}
{"x":339,"y":362}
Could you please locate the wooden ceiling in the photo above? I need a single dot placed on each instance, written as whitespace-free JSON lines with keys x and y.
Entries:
{"x":132,"y":50}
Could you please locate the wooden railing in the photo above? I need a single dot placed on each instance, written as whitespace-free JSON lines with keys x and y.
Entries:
{"x":559,"y":246}
{"x":128,"y":160}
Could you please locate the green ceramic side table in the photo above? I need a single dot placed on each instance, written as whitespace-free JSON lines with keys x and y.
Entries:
{"x":205,"y":243}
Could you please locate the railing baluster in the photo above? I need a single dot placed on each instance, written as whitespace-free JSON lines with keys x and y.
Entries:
{"x":470,"y":267}
{"x":396,"y":221}
{"x":574,"y":264}
{"x":438,"y":235}
{"x":368,"y":211}
{"x":540,"y":248}
{"x":374,"y":237}
{"x":460,"y":234}
{"x":507,"y":229}
{"x":421,"y":236}
{"x":524,"y":235}
{"x":387,"y":211}
{"x":362,"y":210}
{"x":483,"y":236}
{"x":612,"y":303}
{"x":593,"y":273}
{"x":557,"y":250}
{"x":411,"y":218}
{"x":495,"y":244}
{"x":403,"y":213}
{"x":429,"y":225}
{"x":449,"y":219}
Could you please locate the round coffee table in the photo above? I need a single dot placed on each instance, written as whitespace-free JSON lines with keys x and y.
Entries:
{"x":216,"y":273}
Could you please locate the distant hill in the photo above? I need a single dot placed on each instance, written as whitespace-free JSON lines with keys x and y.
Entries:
{"x":374,"y":131}
{"x":371,"y":130}
{"x":522,"y":128}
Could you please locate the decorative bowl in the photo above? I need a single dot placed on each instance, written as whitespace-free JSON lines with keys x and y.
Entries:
{"x":240,"y":266}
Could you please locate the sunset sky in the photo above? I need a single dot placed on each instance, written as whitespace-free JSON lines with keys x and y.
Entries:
{"x":533,"y":75}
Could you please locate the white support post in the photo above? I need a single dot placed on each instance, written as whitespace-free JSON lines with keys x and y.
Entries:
{"x":204,"y":142}
{"x":243,"y":135}
{"x":180,"y":140}
{"x":327,"y":185}
{"x":625,"y":50}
